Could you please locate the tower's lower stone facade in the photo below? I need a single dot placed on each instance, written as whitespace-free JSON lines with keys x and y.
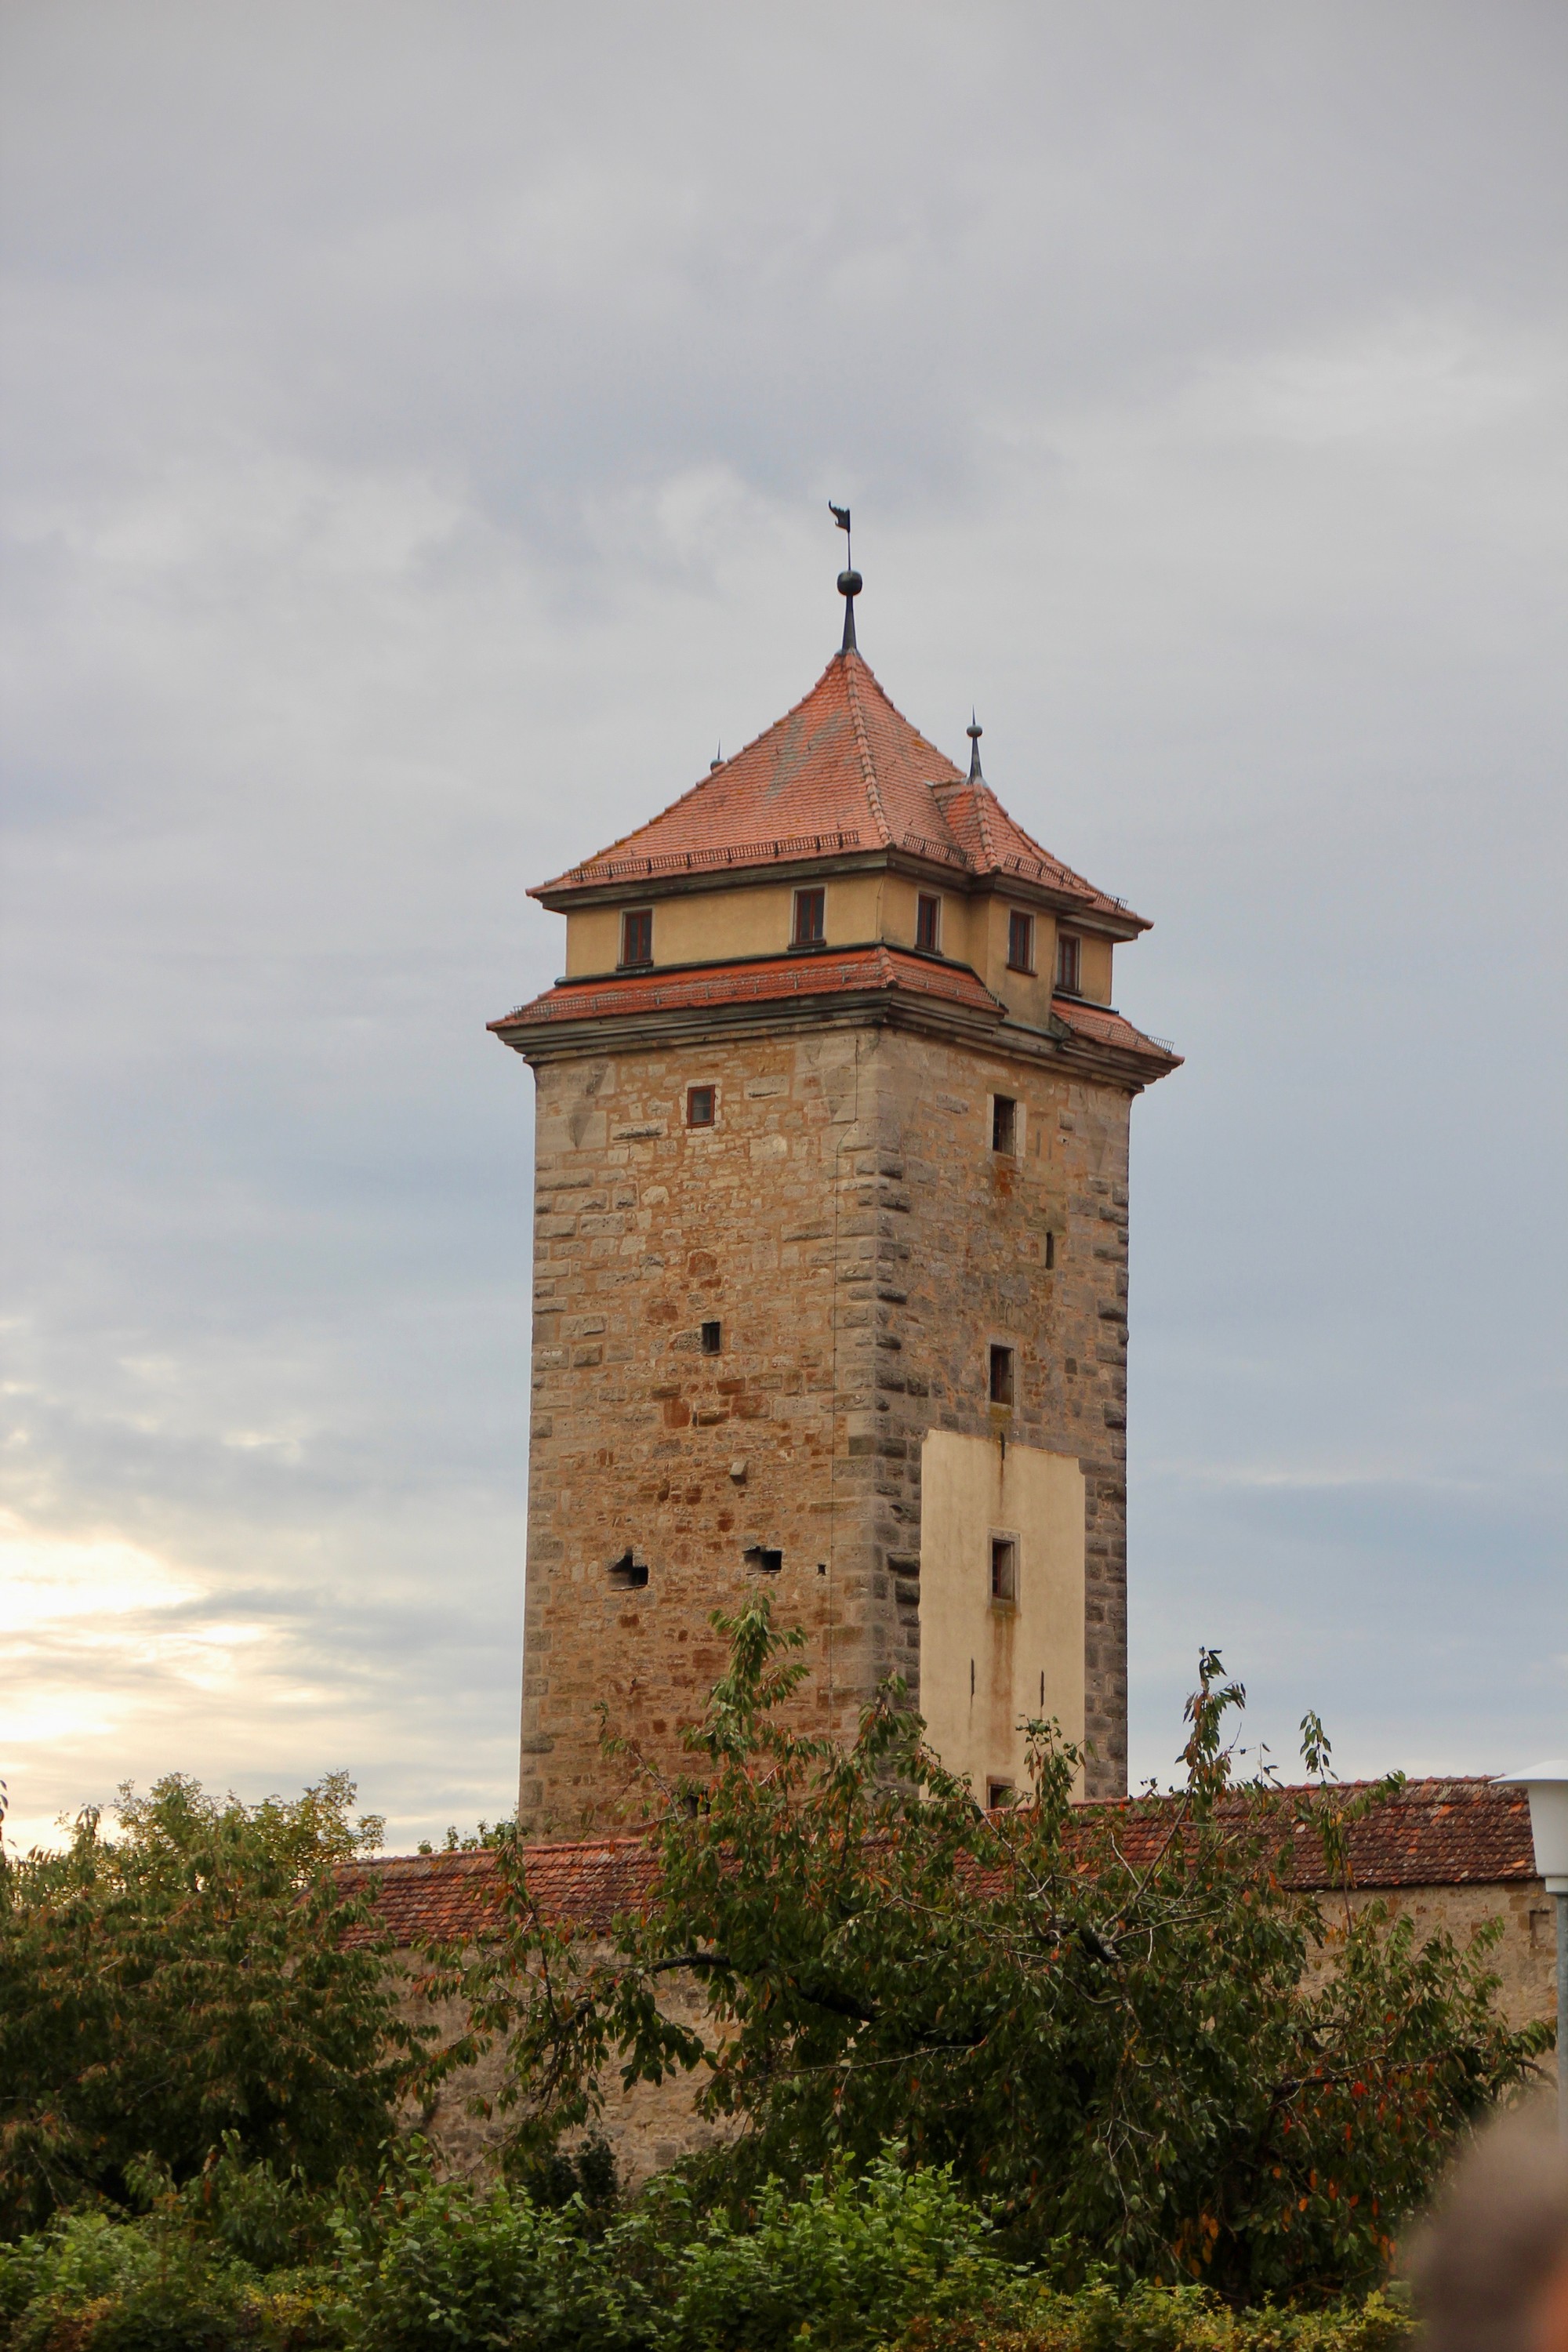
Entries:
{"x":831,"y":1265}
{"x":861,"y":1248}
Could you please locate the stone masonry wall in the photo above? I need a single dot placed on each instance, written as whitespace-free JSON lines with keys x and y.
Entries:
{"x":652,"y":2126}
{"x":847,"y":1225}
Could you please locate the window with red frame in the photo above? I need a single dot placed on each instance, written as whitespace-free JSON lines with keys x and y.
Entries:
{"x":1070,"y":962}
{"x":809,"y":907}
{"x":636,"y":937}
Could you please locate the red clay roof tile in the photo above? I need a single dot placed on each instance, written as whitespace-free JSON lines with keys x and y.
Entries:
{"x":1436,"y":1834}
{"x":1103,"y":1027}
{"x":772,"y":977}
{"x":843,"y":771}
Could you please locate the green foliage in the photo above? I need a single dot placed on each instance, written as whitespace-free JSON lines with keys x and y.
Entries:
{"x":1159,"y":2065}
{"x":891,"y":2256}
{"x":186,"y":1979}
{"x":1151,"y":2317}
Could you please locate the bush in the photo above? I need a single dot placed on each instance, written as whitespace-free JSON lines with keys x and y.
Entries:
{"x":1156,"y":2318}
{"x":186,"y":1979}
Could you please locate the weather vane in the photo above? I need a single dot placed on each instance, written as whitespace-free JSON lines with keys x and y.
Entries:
{"x":850,"y":581}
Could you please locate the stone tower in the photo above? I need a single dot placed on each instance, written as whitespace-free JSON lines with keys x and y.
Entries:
{"x":830,"y":1246}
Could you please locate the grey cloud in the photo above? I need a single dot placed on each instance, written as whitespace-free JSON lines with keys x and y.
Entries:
{"x":421,"y":423}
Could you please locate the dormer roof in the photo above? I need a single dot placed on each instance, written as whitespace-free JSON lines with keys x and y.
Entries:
{"x":841,"y":772}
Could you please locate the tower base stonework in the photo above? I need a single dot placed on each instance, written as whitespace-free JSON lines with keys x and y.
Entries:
{"x":845,"y":1225}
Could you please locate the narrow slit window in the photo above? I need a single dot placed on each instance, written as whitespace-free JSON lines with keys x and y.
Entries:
{"x":928,"y":924}
{"x":1003,"y":1568}
{"x":712,"y":1339}
{"x":636,"y":937}
{"x":1004,"y":1124}
{"x":1070,"y":962}
{"x":809,"y":909}
{"x":699,"y":1106}
{"x":764,"y":1559}
{"x":1001,"y":1375}
{"x":1050,"y":1252}
{"x":629,"y":1572}
{"x":1020,"y":942}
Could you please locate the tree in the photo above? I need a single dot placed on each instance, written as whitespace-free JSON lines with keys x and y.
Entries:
{"x":185,"y":1980}
{"x":1122,"y":2026}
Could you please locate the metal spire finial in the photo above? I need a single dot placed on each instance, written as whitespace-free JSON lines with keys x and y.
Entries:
{"x":717,"y":760}
{"x":850,"y":581}
{"x":975,"y":731}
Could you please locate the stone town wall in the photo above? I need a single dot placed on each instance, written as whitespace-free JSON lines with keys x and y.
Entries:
{"x":648,"y":2129}
{"x":651,"y":2128}
{"x":847,"y":1223}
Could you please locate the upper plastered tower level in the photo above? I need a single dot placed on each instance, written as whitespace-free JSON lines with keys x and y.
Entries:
{"x":830,"y":1241}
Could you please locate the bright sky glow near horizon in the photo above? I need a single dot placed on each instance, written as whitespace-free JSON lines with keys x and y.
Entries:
{"x":419,"y":424}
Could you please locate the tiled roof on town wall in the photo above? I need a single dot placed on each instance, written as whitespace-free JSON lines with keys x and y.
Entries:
{"x":1467,"y":1832}
{"x":766,"y":980}
{"x":843,"y":771}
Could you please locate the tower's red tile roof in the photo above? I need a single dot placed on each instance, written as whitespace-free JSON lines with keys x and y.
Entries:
{"x":843,"y":771}
{"x":768,"y":979}
{"x":1102,"y":1026}
{"x":1435,"y":1833}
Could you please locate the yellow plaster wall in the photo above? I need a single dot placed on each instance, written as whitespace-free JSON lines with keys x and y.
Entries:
{"x":709,"y":926}
{"x":1027,"y":995}
{"x":757,"y":919}
{"x":971,"y":1489}
{"x":1095,"y":968}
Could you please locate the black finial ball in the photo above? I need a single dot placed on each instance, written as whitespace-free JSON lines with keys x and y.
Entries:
{"x":974,"y":732}
{"x":850,"y":583}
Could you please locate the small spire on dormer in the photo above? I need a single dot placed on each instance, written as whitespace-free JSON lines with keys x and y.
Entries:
{"x":975,"y":731}
{"x":717,"y":760}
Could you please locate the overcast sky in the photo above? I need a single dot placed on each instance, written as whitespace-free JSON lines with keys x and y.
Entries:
{"x":419,"y":423}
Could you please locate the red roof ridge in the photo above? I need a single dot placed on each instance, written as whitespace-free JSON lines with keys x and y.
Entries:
{"x":852,"y":667}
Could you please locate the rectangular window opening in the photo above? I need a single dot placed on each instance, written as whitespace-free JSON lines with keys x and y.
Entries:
{"x":1020,"y":942}
{"x":1004,"y":1124}
{"x":1069,"y":962}
{"x":809,"y":908}
{"x":928,"y":924}
{"x":629,"y":1572}
{"x":1050,"y":1252}
{"x":1003,"y":1568}
{"x":712,"y":1339}
{"x":764,"y":1559}
{"x":636,"y":937}
{"x":999,"y":1793}
{"x":1001,"y":1375}
{"x":699,"y":1106}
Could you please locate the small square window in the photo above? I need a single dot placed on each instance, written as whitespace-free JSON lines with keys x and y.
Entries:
{"x":764,"y":1559}
{"x":629,"y":1572}
{"x":928,"y":924}
{"x":712,"y":1339}
{"x":1004,"y":1124}
{"x":699,"y":1106}
{"x":1001,"y":1375}
{"x":1020,"y":942}
{"x":1003,"y":1568}
{"x":636,"y":937}
{"x":809,"y":908}
{"x":1069,"y":962}
{"x":998,"y":1794}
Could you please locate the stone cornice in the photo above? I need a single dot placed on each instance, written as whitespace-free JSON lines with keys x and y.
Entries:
{"x":1126,"y":1067}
